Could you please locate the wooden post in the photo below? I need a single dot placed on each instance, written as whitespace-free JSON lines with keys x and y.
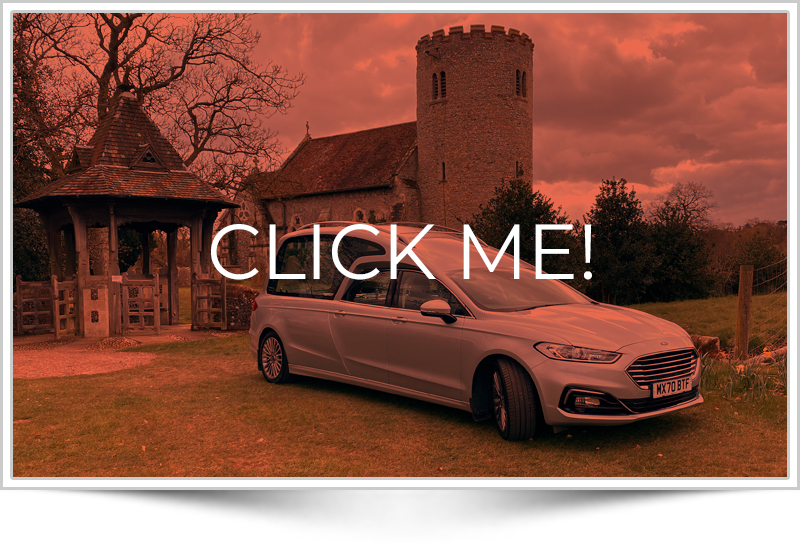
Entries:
{"x":69,"y":252}
{"x":82,"y":250}
{"x":194,"y":301}
{"x":114,"y":312}
{"x":205,"y":258}
{"x":224,"y":306}
{"x":156,"y":305}
{"x":53,"y":245}
{"x":172,"y":266}
{"x":145,"y":237}
{"x":19,"y":304}
{"x":56,"y":320}
{"x":126,"y":318}
{"x":196,"y":236}
{"x":743,"y":311}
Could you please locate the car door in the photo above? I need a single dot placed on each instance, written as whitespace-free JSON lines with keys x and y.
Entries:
{"x":358,"y":325}
{"x":301,"y":313}
{"x":424,"y":352}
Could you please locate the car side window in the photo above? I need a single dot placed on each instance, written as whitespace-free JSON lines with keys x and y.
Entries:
{"x":414,"y":289}
{"x":373,"y":291}
{"x":297,"y":256}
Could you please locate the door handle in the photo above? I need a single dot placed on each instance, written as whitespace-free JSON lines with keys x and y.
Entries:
{"x":339,"y":313}
{"x":399,"y":320}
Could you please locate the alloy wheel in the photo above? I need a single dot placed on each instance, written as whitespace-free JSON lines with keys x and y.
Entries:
{"x":499,"y":399}
{"x":272,"y":357}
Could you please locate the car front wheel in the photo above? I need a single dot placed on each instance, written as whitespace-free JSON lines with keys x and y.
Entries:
{"x":272,"y":359}
{"x":514,"y":401}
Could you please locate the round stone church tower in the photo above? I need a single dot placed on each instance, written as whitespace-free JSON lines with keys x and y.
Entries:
{"x":474,"y":118}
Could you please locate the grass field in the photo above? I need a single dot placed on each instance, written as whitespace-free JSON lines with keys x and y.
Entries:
{"x":717,"y":317}
{"x":203,"y":409}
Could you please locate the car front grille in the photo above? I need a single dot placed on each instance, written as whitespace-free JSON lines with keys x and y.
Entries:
{"x":648,"y":404}
{"x":659,"y":367}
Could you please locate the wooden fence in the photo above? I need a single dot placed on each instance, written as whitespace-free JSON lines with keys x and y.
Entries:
{"x":46,"y":306}
{"x":34,"y":307}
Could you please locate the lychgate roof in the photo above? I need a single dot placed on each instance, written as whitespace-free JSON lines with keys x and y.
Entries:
{"x":345,"y":162}
{"x":127,"y":157}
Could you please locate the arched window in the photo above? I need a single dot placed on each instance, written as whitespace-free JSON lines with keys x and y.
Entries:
{"x":435,"y":86}
{"x":517,"y":82}
{"x":524,"y":85}
{"x":444,"y":85}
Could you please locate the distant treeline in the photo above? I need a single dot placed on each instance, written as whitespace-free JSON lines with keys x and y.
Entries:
{"x":671,"y":252}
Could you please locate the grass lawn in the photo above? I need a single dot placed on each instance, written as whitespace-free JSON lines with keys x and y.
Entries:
{"x":717,"y":317}
{"x":202,"y":409}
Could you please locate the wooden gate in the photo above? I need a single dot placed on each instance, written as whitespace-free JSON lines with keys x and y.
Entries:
{"x":141,"y":304}
{"x":208,"y":303}
{"x":65,"y":307}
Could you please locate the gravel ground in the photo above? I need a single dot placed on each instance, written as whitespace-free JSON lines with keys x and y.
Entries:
{"x":52,"y":344}
{"x":46,"y":364}
{"x":115,"y":342}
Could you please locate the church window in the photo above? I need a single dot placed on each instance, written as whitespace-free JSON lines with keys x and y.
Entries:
{"x":444,"y":173}
{"x":148,"y":157}
{"x":518,"y":83}
{"x":435,"y":86}
{"x":524,"y":85}
{"x":443,"y":84}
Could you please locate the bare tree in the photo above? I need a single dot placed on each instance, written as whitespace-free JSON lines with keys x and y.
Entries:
{"x":194,"y":73}
{"x":690,"y":203}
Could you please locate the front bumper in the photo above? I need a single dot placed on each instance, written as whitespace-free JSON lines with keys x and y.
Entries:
{"x":622,"y":400}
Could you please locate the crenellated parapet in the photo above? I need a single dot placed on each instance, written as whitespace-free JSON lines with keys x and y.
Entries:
{"x":475,"y":32}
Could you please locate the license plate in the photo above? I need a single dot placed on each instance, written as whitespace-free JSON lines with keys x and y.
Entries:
{"x":671,"y":387}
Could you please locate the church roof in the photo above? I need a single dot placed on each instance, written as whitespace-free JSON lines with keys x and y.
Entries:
{"x":346,"y":162}
{"x":127,"y":157}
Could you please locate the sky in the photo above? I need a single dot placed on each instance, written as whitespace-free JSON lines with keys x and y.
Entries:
{"x":653,"y":98}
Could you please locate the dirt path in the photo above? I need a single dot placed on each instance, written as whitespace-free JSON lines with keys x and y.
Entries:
{"x":64,"y":358}
{"x":47,"y":364}
{"x":43,"y":357}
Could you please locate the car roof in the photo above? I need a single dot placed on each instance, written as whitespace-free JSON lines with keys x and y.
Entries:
{"x":406,"y":231}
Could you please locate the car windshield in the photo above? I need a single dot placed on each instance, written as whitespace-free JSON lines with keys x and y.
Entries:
{"x":499,"y":291}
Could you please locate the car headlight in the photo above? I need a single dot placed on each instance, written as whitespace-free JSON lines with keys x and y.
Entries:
{"x":564,"y":352}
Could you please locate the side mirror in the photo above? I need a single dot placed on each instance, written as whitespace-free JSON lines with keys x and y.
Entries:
{"x":437,"y":308}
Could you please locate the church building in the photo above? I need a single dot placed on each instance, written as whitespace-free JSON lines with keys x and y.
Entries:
{"x":474,"y":131}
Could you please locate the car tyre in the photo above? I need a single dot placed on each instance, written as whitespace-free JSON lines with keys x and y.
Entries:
{"x":272,"y":359}
{"x":514,"y":401}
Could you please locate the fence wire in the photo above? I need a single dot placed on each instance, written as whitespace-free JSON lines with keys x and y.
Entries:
{"x":768,"y":321}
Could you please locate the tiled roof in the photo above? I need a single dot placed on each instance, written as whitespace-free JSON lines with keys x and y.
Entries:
{"x":118,"y":181}
{"x":104,"y":166}
{"x":345,"y":162}
{"x":123,"y":131}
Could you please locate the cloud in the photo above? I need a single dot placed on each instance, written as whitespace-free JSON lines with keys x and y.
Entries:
{"x":653,"y":98}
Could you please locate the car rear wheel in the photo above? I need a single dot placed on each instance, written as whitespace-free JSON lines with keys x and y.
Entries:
{"x":514,"y":401}
{"x":272,"y":359}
